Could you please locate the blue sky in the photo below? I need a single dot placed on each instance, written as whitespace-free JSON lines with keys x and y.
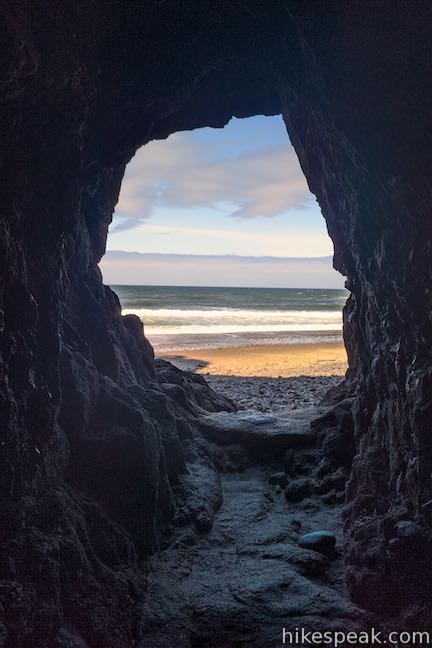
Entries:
{"x":237,"y":191}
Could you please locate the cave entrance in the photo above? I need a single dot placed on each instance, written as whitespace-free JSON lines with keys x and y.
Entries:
{"x":219,"y":247}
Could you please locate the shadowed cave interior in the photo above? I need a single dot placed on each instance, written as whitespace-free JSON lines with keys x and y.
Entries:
{"x":105,"y":452}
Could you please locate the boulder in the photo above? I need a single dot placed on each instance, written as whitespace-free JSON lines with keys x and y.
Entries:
{"x":259,"y":431}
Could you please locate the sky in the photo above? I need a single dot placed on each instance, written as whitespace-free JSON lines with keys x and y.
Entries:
{"x":224,"y":207}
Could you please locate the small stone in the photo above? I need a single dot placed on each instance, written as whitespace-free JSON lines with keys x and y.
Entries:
{"x":298,"y":490}
{"x":326,"y":486}
{"x":322,"y":541}
{"x":203,"y":523}
{"x":405,"y":528}
{"x":336,"y":480}
{"x":330,"y":497}
{"x":339,"y":478}
{"x":187,"y":539}
{"x":323,"y":468}
{"x":279,"y":478}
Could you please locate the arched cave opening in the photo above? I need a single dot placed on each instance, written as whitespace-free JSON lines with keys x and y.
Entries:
{"x":218,"y":246}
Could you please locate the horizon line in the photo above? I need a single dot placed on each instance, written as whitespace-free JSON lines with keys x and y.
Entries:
{"x":133,"y":285}
{"x":233,"y":256}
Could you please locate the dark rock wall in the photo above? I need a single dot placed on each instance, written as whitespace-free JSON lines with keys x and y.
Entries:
{"x":91,"y":444}
{"x":364,"y":144}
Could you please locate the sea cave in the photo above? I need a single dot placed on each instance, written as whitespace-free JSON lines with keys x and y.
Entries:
{"x":113,"y":471}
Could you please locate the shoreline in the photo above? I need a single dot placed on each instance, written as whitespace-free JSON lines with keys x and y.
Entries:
{"x":266,"y":361}
{"x":179,"y":343}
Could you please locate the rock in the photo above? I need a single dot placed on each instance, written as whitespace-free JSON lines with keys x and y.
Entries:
{"x":325,"y":486}
{"x":298,"y":490}
{"x":279,"y":478}
{"x":336,"y":431}
{"x":230,"y":458}
{"x":75,"y":109}
{"x":339,"y":478}
{"x":203,"y":522}
{"x":336,"y":481}
{"x":190,"y":389}
{"x":260,"y":431}
{"x":308,"y":562}
{"x":323,"y":468}
{"x":330,"y":498}
{"x":176,"y":393}
{"x":333,"y":497}
{"x":199,"y":495}
{"x":322,"y":541}
{"x":259,"y":419}
{"x":405,"y":528}
{"x":303,"y":461}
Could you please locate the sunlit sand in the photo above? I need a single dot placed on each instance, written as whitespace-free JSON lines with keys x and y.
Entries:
{"x":285,"y":360}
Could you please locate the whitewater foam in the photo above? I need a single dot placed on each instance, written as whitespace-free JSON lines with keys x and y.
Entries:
{"x":166,"y":321}
{"x":177,"y":318}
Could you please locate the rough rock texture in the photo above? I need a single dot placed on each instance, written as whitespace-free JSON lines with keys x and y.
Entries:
{"x":249,"y":577}
{"x":261,"y":431}
{"x":92,"y":443}
{"x":263,"y":563}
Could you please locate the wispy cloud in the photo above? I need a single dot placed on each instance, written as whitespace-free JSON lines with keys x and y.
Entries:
{"x":181,"y":172}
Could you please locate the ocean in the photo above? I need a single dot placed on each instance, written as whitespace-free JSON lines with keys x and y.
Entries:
{"x":180,"y":318}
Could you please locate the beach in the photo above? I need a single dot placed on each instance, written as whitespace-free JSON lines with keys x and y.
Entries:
{"x":269,"y":361}
{"x":267,"y":349}
{"x":269,"y":378}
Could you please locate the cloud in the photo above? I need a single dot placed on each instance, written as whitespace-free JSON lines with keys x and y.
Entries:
{"x":184,"y":239}
{"x":184,"y":172}
{"x":129,"y":268}
{"x":123,"y":225}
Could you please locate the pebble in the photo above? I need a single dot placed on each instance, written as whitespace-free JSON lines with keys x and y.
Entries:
{"x":298,"y":490}
{"x":279,"y":478}
{"x":322,"y":541}
{"x":275,"y":395}
{"x":405,"y":528}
